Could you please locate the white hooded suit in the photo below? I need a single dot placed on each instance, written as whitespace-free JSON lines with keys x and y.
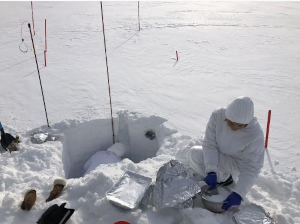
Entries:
{"x":228,"y":152}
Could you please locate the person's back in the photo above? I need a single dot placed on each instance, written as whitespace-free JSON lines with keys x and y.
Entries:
{"x":230,"y":142}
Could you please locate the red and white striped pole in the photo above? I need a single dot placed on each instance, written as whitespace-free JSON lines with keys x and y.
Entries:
{"x":45,"y":51}
{"x":268,"y":128}
{"x":32,"y":18}
{"x":108,"y":82}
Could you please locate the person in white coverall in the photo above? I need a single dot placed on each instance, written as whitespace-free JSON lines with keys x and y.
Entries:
{"x":233,"y":144}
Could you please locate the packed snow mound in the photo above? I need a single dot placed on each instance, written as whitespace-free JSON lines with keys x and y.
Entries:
{"x":99,"y":158}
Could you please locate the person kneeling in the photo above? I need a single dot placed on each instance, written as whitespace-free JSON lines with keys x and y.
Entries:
{"x":233,"y":144}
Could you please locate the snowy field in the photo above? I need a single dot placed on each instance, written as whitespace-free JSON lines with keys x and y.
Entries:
{"x":226,"y":49}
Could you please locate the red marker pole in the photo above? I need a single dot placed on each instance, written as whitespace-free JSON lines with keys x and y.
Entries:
{"x":45,"y":58}
{"x":176,"y":55}
{"x":32,"y":18}
{"x":268,"y":128}
{"x":109,"y":92}
{"x":45,"y":51}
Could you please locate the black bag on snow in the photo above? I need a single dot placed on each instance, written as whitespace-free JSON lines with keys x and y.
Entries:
{"x":56,"y":215}
{"x":6,"y":139}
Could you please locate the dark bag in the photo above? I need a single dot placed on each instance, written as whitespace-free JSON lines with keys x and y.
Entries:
{"x":6,"y":139}
{"x":56,"y":215}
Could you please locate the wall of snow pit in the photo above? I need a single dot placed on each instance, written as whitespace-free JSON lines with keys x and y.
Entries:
{"x":85,"y":139}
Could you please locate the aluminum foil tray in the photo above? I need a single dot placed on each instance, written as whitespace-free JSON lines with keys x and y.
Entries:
{"x":129,"y":190}
{"x":175,"y":185}
{"x":252,"y":214}
{"x":39,"y":138}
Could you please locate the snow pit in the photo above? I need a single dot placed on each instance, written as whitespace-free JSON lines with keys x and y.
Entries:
{"x":83,"y":140}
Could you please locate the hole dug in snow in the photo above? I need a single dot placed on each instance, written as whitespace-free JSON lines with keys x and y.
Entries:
{"x":142,"y":136}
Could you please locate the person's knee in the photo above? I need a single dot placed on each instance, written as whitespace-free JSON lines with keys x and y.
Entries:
{"x":196,"y":161}
{"x":196,"y":154}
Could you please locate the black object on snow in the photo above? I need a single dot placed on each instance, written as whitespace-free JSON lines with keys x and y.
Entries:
{"x":56,"y":215}
{"x":150,"y":134}
{"x":6,"y":139}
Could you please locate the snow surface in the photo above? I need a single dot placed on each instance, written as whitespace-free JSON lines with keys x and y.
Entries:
{"x":226,"y":49}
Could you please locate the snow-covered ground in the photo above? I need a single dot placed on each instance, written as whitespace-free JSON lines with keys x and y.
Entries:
{"x":226,"y":49}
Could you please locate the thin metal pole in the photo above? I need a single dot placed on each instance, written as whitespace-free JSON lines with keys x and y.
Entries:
{"x":32,"y":18}
{"x":46,"y":47}
{"x":45,"y":51}
{"x":139,"y":15}
{"x":111,"y":112}
{"x":37,"y":65}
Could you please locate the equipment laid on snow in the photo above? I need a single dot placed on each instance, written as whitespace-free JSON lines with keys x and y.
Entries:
{"x":29,"y":200}
{"x":30,"y":195}
{"x":56,"y":215}
{"x":252,"y":214}
{"x":8,"y":142}
{"x":175,"y":186}
{"x":58,"y":186}
{"x":39,"y":138}
{"x":213,"y":199}
{"x":129,"y":190}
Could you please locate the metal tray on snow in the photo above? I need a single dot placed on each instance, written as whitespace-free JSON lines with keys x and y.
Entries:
{"x":129,"y":190}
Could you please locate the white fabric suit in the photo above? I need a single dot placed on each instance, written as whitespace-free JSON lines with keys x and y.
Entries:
{"x":228,"y":152}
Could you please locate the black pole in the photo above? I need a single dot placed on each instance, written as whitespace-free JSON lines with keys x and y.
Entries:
{"x":37,"y":65}
{"x":111,"y":112}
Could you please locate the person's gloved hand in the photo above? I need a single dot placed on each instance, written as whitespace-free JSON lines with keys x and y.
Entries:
{"x":211,"y":180}
{"x":232,"y":199}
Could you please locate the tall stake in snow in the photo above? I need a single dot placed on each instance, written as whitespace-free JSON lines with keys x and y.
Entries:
{"x":37,"y":65}
{"x":139,"y":15}
{"x":32,"y":18}
{"x":111,"y":112}
{"x":268,"y":127}
{"x":45,"y":51}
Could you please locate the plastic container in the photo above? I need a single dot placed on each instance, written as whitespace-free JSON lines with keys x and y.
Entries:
{"x":122,"y":222}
